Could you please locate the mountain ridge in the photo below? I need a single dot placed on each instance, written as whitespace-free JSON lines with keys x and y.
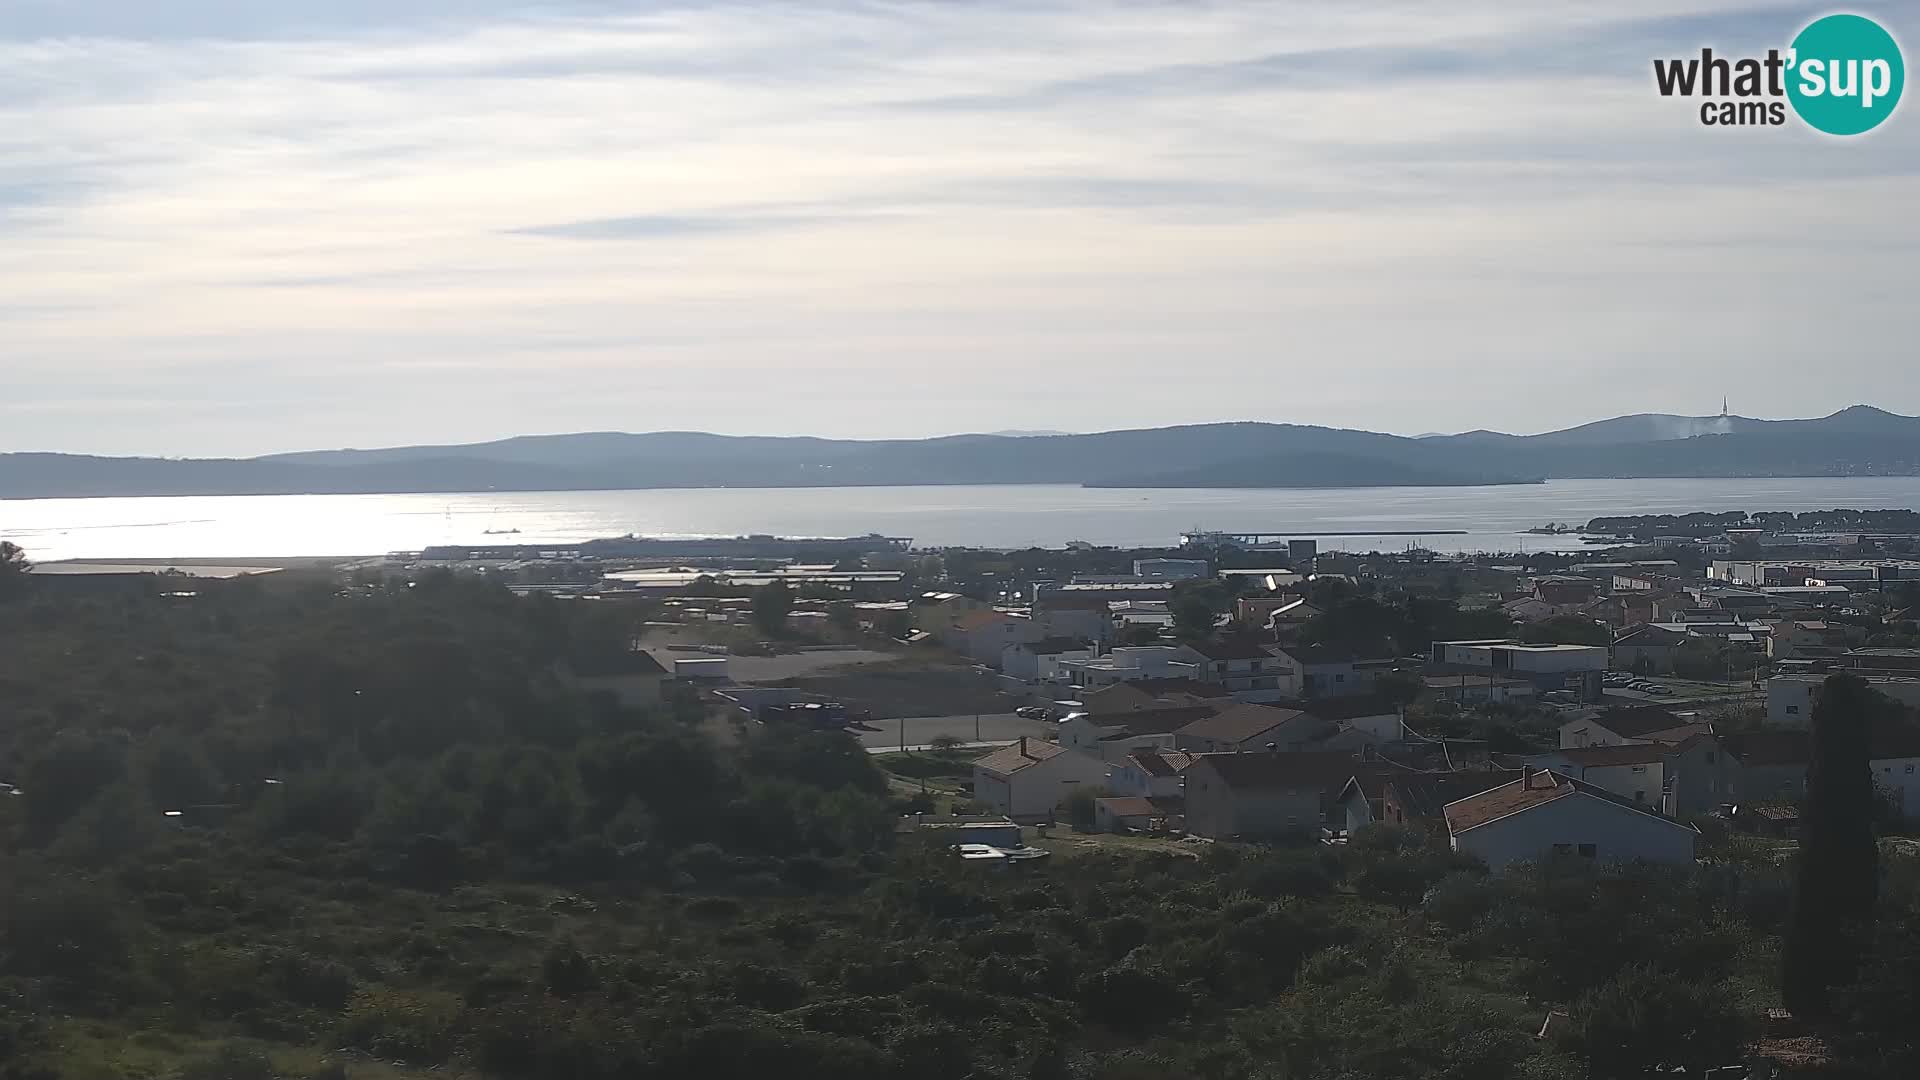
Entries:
{"x":1859,"y":440}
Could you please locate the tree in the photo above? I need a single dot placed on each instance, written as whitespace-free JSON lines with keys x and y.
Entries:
{"x":13,"y":569}
{"x":1566,"y":630}
{"x":1192,"y":616}
{"x":1644,"y":1019}
{"x":770,"y":606}
{"x":1838,"y":873}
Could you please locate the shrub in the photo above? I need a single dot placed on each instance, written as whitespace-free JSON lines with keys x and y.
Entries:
{"x":418,"y":1027}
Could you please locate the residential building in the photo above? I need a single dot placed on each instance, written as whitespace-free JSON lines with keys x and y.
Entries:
{"x":634,"y":678}
{"x":1149,"y":773}
{"x":1263,"y":795}
{"x":1360,"y":722}
{"x":1240,"y":664}
{"x":1315,"y":671}
{"x":986,"y":635}
{"x":1031,"y":778}
{"x":1575,"y":668}
{"x":1275,"y":612}
{"x":1479,"y":689}
{"x":1565,"y":590}
{"x":1041,"y":661}
{"x":1791,"y":697}
{"x":1130,"y":664}
{"x":1771,"y":766}
{"x":1251,"y":727}
{"x":1625,"y":725}
{"x":1543,"y":814}
{"x":1110,"y":737}
{"x":1082,"y":618}
{"x":1414,"y":799}
{"x":1804,"y":638}
{"x":1631,"y":771}
{"x":934,"y":612}
{"x":1152,"y":694}
{"x":1647,"y":649}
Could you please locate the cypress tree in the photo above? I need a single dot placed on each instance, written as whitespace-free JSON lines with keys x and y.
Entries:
{"x":1838,"y":877}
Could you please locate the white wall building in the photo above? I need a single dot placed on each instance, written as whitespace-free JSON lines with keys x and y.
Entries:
{"x":1544,"y":814}
{"x":1030,"y":779}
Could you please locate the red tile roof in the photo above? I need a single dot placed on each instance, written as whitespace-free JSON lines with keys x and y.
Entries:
{"x":1535,"y":788}
{"x":1021,"y":755}
{"x":1238,"y":724}
{"x":1128,"y":806}
{"x":1160,"y":762}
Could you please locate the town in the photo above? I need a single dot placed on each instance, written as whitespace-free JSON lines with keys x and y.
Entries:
{"x":714,"y":723}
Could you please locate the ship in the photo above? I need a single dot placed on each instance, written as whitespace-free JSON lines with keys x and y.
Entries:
{"x":756,"y":546}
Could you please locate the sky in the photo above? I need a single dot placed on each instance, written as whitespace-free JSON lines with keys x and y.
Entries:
{"x":231,"y":227}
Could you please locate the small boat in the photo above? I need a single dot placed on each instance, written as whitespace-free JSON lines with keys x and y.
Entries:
{"x":501,"y":532}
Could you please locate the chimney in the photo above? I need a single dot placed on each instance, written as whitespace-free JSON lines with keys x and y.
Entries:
{"x":1526,"y":772}
{"x":1023,"y":746}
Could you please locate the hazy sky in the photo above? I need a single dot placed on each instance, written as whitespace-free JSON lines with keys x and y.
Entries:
{"x":237,"y":226}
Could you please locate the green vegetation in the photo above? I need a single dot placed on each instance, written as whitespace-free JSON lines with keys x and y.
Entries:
{"x":404,"y":845}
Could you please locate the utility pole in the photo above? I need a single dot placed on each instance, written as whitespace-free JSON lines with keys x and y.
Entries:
{"x":976,"y":727}
{"x":903,"y":734}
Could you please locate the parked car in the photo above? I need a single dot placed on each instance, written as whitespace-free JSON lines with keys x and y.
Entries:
{"x":1032,"y":712}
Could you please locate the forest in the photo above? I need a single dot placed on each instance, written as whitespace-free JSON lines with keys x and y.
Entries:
{"x":315,"y":829}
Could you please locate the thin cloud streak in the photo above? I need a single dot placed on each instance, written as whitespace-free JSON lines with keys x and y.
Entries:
{"x":896,"y":219}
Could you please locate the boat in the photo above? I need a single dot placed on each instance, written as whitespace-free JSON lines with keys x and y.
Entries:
{"x":501,"y":532}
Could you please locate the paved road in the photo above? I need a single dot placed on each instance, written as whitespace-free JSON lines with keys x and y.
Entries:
{"x":922,"y":730}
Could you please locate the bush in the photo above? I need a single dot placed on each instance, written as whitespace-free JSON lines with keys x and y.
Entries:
{"x":417,"y":1027}
{"x":231,"y":1062}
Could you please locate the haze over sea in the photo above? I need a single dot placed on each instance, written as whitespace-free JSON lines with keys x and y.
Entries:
{"x":1489,"y":518}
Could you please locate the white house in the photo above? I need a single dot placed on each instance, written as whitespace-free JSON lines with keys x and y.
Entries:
{"x":1790,"y":698}
{"x":1633,"y":724}
{"x":1149,"y":774}
{"x":1041,"y":661}
{"x":1129,"y":664}
{"x":1315,"y":671}
{"x":1244,"y":667}
{"x":1544,"y":813}
{"x":1110,"y":737}
{"x":1632,"y":771}
{"x":1031,"y":778}
{"x":1547,"y":667}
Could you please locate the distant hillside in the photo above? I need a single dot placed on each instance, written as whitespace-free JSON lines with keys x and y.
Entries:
{"x":1309,"y":470}
{"x":1856,"y":441}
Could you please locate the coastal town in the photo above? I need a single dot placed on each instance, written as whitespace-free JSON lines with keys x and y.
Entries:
{"x":1253,"y":687}
{"x":1406,"y":727}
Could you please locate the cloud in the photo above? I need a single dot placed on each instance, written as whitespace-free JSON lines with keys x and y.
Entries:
{"x":895,"y":218}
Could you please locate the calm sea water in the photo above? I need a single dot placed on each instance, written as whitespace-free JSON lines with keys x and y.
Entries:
{"x":1493,"y":518}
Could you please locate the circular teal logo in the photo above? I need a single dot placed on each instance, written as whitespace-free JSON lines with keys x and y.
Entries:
{"x":1846,"y":74}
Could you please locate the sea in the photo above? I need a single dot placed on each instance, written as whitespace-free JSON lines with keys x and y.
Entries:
{"x":1449,"y":519}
